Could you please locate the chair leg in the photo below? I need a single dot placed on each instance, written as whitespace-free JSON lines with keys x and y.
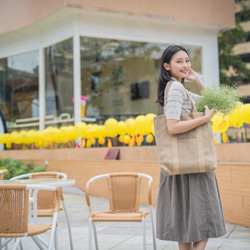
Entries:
{"x":17,"y":242}
{"x":56,"y":239}
{"x":90,"y":233}
{"x":21,"y":245}
{"x":53,"y":229}
{"x":37,"y":242}
{"x":69,"y":228}
{"x":153,"y":227}
{"x":95,"y":236}
{"x":6,"y":242}
{"x":144,"y":233}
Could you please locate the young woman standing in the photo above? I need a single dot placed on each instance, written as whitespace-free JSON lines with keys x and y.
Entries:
{"x":188,"y":207}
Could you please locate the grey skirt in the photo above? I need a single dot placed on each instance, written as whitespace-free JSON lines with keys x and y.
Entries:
{"x":189,"y":208}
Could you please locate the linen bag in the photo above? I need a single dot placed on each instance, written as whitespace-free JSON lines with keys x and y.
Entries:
{"x":189,"y":152}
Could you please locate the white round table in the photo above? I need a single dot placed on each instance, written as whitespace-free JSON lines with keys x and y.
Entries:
{"x":47,"y":182}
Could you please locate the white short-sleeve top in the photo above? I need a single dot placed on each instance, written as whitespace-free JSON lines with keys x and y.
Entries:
{"x":177,"y":101}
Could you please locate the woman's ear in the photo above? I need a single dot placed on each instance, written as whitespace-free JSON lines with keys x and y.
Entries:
{"x":166,"y":66}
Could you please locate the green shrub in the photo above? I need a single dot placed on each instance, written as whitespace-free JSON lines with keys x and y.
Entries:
{"x":16,"y":167}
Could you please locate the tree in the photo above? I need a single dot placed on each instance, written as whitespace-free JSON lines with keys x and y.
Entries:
{"x":231,"y":66}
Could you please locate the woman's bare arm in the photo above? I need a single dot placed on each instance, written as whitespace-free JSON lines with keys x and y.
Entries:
{"x":178,"y":127}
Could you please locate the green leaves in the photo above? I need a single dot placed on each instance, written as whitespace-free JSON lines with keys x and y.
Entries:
{"x":16,"y":167}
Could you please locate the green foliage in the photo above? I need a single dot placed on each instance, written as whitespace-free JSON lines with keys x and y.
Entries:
{"x":222,"y":98}
{"x":16,"y":167}
{"x":228,"y":60}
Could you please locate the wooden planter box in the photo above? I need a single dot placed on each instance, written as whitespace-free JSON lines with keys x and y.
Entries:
{"x":233,"y":172}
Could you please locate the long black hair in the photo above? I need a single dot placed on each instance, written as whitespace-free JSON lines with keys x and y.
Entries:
{"x":165,"y":75}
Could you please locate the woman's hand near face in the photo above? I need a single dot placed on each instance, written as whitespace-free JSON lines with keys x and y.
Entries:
{"x":193,"y":77}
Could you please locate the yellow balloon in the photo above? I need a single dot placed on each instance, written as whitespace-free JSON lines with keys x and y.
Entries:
{"x":149,"y":138}
{"x":121,"y":138}
{"x":100,"y":131}
{"x":111,"y":126}
{"x":245,"y":113}
{"x":89,"y":143}
{"x":24,"y":137}
{"x":139,"y":140}
{"x":224,"y":137}
{"x":126,"y":139}
{"x":93,"y":140}
{"x":109,"y":143}
{"x":101,"y":140}
{"x":90,"y":132}
{"x":83,"y":143}
{"x":153,"y":129}
{"x":71,"y":133}
{"x":132,"y":141}
{"x":149,"y":121}
{"x":220,"y":123}
{"x":140,"y":125}
{"x":80,"y":129}
{"x":130,"y":124}
{"x":31,"y":136}
{"x":122,"y":129}
{"x":16,"y":138}
{"x":235,"y":117}
{"x":63,"y":133}
{"x":7,"y":138}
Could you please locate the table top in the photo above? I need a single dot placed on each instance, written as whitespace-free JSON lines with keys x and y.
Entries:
{"x":48,"y":182}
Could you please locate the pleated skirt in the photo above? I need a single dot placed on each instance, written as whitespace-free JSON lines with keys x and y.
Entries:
{"x":189,"y":208}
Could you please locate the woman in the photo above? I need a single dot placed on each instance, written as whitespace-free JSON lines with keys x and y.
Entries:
{"x":188,"y":206}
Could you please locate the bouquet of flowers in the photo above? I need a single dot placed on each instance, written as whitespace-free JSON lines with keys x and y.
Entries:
{"x":223,"y":98}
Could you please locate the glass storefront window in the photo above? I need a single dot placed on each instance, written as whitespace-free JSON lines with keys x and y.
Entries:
{"x":19,"y":98}
{"x":119,"y":78}
{"x":59,"y":79}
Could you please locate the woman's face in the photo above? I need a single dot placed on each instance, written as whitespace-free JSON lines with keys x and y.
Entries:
{"x":179,"y":65}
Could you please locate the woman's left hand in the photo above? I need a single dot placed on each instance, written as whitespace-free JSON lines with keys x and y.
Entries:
{"x":192,"y":76}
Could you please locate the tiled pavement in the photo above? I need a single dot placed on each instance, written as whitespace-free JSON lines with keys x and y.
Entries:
{"x":124,"y":236}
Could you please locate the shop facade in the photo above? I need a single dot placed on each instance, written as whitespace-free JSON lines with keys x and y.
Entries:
{"x":110,"y":57}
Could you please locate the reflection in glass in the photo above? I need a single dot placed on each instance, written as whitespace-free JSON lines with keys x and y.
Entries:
{"x":19,"y":86}
{"x":59,"y":79}
{"x":120,"y":78}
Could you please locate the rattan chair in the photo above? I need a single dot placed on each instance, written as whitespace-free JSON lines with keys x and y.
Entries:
{"x":124,"y":201}
{"x":2,"y":173}
{"x":14,"y":215}
{"x":45,"y":204}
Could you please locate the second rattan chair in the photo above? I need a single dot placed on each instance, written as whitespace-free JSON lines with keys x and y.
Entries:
{"x":124,"y":201}
{"x":45,"y":204}
{"x":14,"y":215}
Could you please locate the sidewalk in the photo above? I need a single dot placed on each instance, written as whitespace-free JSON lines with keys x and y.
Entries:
{"x":124,"y":236}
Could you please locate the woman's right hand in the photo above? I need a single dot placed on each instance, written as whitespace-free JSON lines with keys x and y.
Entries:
{"x":209,"y":113}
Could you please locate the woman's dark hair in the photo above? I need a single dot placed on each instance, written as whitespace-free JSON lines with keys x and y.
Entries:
{"x":165,"y":75}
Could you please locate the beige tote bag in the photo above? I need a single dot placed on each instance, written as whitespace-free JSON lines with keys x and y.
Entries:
{"x":189,"y":152}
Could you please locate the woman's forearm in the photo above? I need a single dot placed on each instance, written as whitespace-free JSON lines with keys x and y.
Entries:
{"x":200,"y":85}
{"x":178,"y":127}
